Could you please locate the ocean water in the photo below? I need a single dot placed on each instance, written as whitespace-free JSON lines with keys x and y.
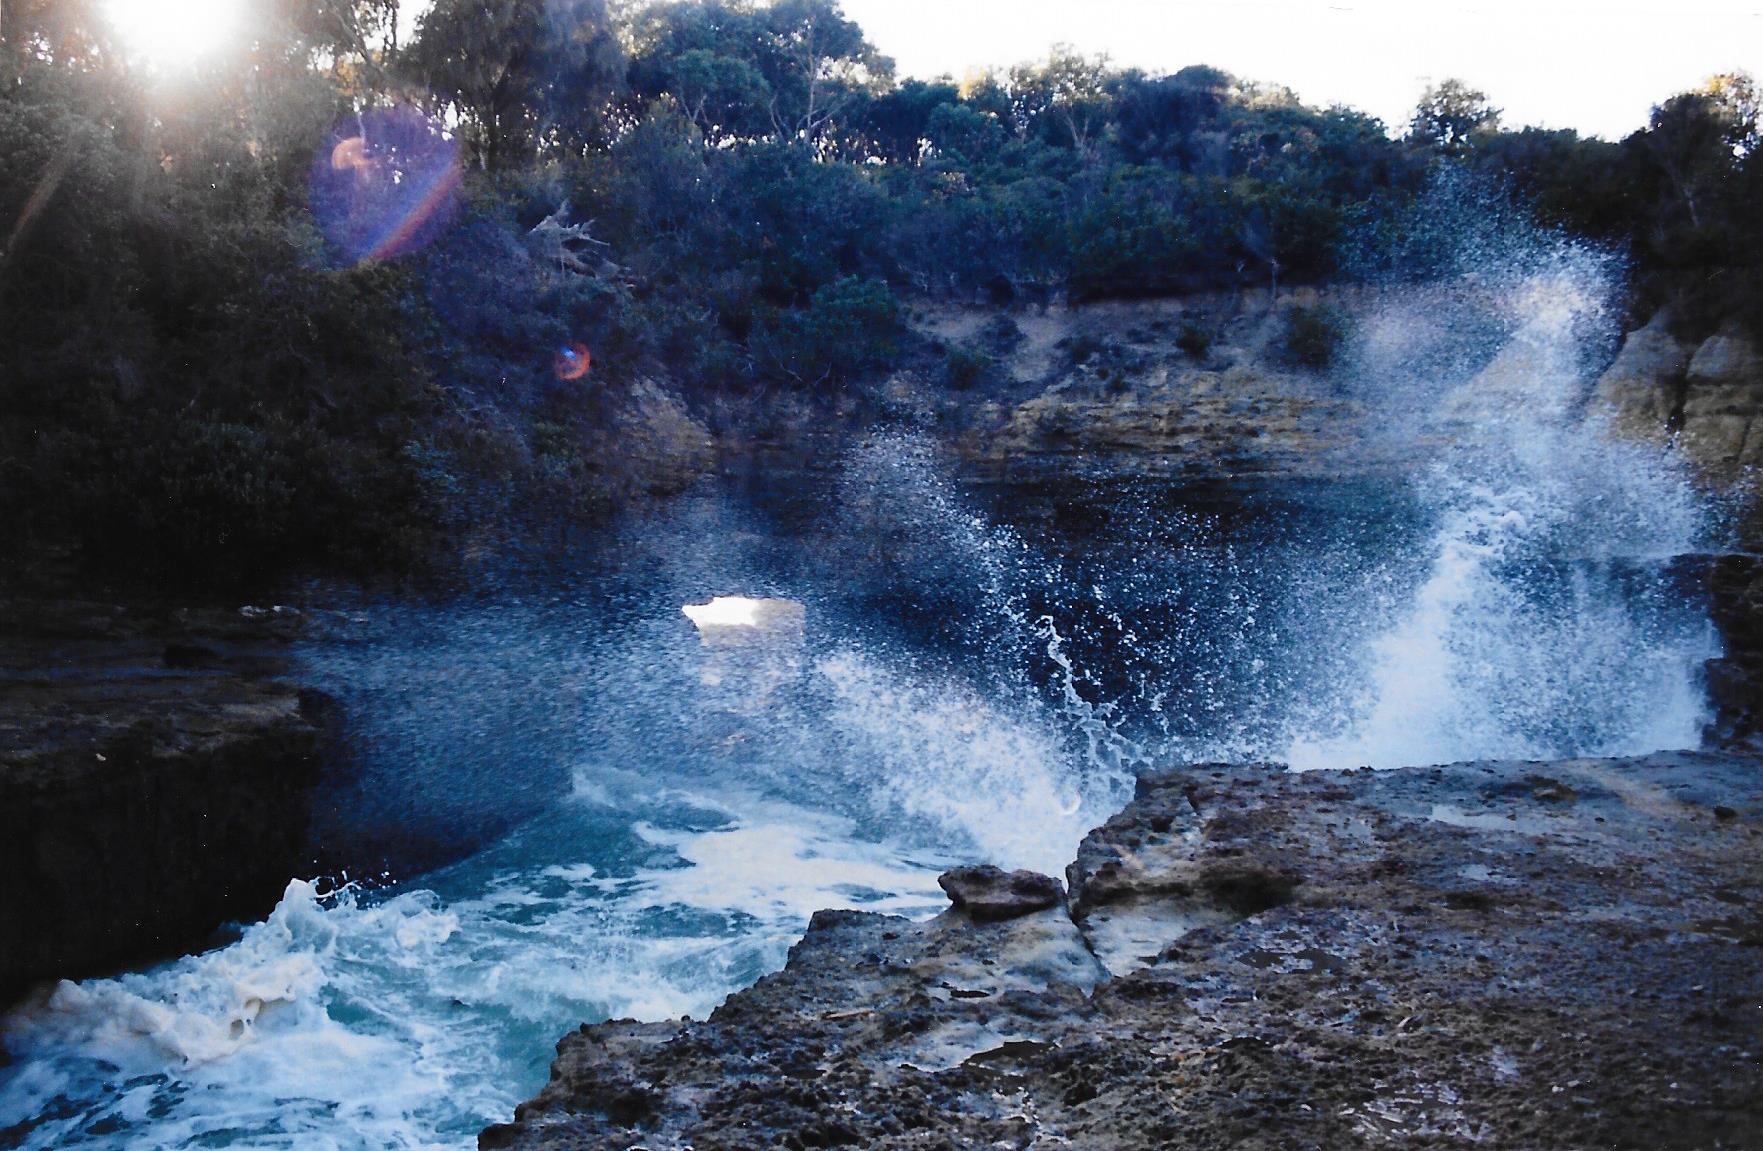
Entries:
{"x":581,"y":806}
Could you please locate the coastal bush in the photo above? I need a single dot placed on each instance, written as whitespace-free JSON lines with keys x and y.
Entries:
{"x":850,"y":325}
{"x":1000,"y":334}
{"x":963,"y":367}
{"x":1194,"y":338}
{"x":1312,"y":336}
{"x":1083,"y":347}
{"x":195,"y":377}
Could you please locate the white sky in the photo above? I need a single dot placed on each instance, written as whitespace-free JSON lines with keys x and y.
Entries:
{"x":1597,"y":67}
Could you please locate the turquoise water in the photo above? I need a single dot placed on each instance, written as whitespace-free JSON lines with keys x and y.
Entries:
{"x":686,"y":805}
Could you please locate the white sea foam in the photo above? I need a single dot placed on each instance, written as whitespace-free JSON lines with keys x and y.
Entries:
{"x":242,"y":1038}
{"x":415,"y":1021}
{"x":711,"y":814}
{"x":937,"y":750}
{"x":773,"y":869}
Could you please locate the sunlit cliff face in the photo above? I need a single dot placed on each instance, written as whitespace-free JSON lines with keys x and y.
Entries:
{"x":172,"y":34}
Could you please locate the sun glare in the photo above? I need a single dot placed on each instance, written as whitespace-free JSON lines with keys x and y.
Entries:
{"x":174,"y":33}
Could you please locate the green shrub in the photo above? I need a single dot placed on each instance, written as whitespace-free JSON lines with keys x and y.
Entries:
{"x":850,"y":325}
{"x":1083,"y":347}
{"x":1312,"y":336}
{"x":1195,"y":339}
{"x":1000,"y":334}
{"x":964,"y":367}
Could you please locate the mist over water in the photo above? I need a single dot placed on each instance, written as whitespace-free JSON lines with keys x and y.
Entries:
{"x":591,"y":810}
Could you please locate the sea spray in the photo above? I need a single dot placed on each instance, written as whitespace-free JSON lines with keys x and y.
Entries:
{"x":673,"y":832}
{"x":413,"y":1018}
{"x":1543,"y":621}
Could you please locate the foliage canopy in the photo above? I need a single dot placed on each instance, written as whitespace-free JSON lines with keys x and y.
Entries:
{"x":198,"y":381}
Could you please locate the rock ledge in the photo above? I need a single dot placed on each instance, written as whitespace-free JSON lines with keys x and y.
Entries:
{"x":1514,"y":955}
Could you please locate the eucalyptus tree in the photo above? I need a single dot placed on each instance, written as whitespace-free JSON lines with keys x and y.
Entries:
{"x":1066,"y":99}
{"x":793,"y":70}
{"x":65,"y":33}
{"x":357,"y":42}
{"x":1696,"y":137}
{"x":896,"y":126}
{"x":520,"y":77}
{"x":1451,"y":115}
{"x":1162,"y":119}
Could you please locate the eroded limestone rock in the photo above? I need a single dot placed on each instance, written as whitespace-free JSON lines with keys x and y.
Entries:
{"x":1643,"y":388}
{"x":1507,"y":955}
{"x":1723,"y":402}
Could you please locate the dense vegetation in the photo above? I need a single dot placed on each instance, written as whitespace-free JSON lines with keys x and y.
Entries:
{"x":254,"y":321}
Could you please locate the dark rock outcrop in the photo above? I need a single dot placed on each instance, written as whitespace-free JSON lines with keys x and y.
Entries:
{"x":1735,"y":681}
{"x":1514,"y":955}
{"x":155,"y":783}
{"x":990,"y":893}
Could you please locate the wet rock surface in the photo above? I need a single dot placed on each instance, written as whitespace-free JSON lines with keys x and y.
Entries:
{"x":990,"y":893}
{"x":1723,"y":401}
{"x":155,"y":780}
{"x":1709,"y":395}
{"x":1642,"y":389}
{"x":1522,"y":955}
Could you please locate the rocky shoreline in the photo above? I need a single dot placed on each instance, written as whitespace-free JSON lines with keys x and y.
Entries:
{"x":156,"y":776}
{"x":1523,"y":955}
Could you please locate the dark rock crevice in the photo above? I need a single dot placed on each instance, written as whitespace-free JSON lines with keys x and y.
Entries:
{"x":1735,"y":680}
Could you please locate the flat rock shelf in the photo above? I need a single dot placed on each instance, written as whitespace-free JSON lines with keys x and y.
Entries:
{"x":1523,"y":955}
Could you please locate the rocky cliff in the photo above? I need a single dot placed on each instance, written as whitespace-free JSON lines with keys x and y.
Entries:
{"x":155,"y":780}
{"x":1519,"y":955}
{"x":1182,"y":386}
{"x":1708,"y":393}
{"x":1207,"y":384}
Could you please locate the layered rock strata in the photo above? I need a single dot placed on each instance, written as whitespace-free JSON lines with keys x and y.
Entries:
{"x":1709,"y":394}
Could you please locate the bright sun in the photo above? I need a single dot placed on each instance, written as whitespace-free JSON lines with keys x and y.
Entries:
{"x":174,"y":33}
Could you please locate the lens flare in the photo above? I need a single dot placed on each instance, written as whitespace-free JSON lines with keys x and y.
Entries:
{"x":350,"y":155}
{"x":571,"y":362}
{"x":387,"y":184}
